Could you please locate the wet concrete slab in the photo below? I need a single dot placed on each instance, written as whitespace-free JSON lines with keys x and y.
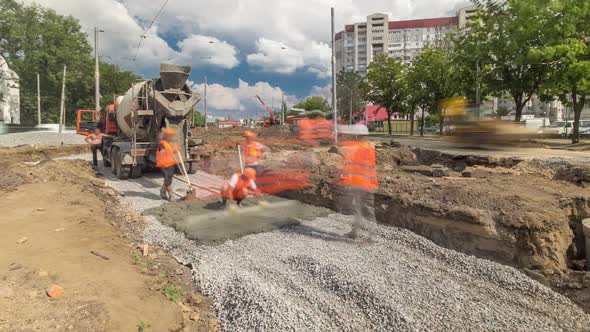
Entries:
{"x":212,"y":223}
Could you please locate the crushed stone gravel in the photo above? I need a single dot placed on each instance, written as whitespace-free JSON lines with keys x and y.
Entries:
{"x":39,"y":138}
{"x":312,"y":278}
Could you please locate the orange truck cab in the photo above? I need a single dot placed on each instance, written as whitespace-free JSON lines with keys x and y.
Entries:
{"x":87,"y":120}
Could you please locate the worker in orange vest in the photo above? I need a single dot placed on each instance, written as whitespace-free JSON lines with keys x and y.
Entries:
{"x":253,"y":152}
{"x":307,"y":131}
{"x":358,"y":179}
{"x":166,"y":160}
{"x":240,"y":186}
{"x":324,"y":130}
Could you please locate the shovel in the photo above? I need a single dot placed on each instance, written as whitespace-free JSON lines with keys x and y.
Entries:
{"x":190,"y":193}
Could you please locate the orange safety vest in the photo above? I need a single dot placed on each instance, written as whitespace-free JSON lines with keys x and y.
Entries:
{"x":306,"y":129}
{"x":165,"y":154}
{"x":237,"y":192}
{"x":252,"y":153}
{"x":323,"y":129}
{"x":359,"y":166}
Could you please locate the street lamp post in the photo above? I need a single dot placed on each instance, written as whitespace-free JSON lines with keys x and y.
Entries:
{"x":96,"y":71}
{"x":334,"y":106}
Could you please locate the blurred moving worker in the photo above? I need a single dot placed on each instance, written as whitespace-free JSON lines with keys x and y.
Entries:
{"x":166,"y":160}
{"x":358,"y":179}
{"x":95,"y":142}
{"x":253,"y":152}
{"x":315,"y":131}
{"x":240,"y":186}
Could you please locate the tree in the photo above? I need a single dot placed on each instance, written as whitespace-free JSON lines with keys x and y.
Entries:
{"x":198,"y":119}
{"x":500,"y":41}
{"x":350,"y":96}
{"x":314,"y":103}
{"x":568,"y":56}
{"x":431,"y":80}
{"x":386,"y":85}
{"x":502,"y":111}
{"x":36,"y":40}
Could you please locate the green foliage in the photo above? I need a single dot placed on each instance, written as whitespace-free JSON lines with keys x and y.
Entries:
{"x":502,"y":111}
{"x":567,"y":54}
{"x":172,"y":292}
{"x":198,"y":119}
{"x":36,"y":40}
{"x":314,"y":103}
{"x":349,"y":87}
{"x":432,"y":78}
{"x":138,"y":260}
{"x":387,"y":85}
{"x":500,"y":41}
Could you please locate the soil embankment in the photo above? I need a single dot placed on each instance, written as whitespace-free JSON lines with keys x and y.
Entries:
{"x":62,"y":226}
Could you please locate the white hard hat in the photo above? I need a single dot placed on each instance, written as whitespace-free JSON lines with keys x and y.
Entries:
{"x":357,"y":130}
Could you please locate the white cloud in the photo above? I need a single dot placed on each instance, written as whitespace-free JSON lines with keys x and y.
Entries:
{"x":273,"y":56}
{"x":241,"y":99}
{"x":122,"y":33}
{"x":324,"y":91}
{"x":277,"y":57}
{"x":255,"y":26}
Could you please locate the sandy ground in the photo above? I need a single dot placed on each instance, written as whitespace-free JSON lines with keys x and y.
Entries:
{"x":58,"y":221}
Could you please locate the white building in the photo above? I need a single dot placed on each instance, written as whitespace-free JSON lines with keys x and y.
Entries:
{"x":359,"y":43}
{"x":9,"y":94}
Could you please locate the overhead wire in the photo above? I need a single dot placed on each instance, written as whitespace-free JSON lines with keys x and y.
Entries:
{"x":143,"y":35}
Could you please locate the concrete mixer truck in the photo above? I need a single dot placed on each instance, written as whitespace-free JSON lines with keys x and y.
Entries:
{"x":136,"y":120}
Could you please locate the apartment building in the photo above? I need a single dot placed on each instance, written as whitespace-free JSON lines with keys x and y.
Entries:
{"x":358,"y":44}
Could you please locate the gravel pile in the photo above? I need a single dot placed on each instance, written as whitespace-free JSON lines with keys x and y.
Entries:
{"x":40,"y":138}
{"x":554,"y":163}
{"x":311,"y":278}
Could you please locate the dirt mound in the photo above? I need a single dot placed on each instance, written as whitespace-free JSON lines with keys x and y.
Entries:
{"x":278,"y":131}
{"x":576,"y":174}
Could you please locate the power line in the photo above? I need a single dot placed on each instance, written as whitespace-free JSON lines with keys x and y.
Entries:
{"x":142,"y":37}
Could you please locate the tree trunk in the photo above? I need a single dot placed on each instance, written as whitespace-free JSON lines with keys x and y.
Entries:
{"x":519,"y":105}
{"x":441,"y":121}
{"x":422,"y":123}
{"x":578,"y":106}
{"x":412,"y":123}
{"x":389,"y":123}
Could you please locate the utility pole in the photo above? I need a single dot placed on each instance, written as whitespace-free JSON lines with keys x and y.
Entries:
{"x":272,"y":107}
{"x":283,"y":108}
{"x":38,"y":101}
{"x":334,"y":107}
{"x":62,"y":112}
{"x":350,"y":116}
{"x":205,"y":102}
{"x":96,"y":72}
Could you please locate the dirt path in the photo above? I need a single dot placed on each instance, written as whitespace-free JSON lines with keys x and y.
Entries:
{"x":53,"y":218}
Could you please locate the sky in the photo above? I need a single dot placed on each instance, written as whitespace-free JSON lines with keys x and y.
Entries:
{"x":244,"y":47}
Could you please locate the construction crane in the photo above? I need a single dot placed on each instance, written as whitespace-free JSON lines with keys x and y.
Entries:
{"x":273,"y":121}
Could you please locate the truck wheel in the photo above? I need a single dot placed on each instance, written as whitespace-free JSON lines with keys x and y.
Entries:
{"x":136,"y":172}
{"x":192,"y":168}
{"x":121,"y":171}
{"x":105,"y":162}
{"x":114,"y":162}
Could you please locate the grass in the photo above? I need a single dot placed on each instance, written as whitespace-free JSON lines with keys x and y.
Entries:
{"x":138,"y":259}
{"x":142,"y":326}
{"x":172,"y":292}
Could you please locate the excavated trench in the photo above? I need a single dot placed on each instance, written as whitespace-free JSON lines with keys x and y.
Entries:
{"x":504,"y":210}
